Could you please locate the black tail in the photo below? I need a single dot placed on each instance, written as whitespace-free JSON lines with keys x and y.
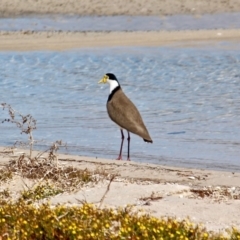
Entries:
{"x":146,"y":140}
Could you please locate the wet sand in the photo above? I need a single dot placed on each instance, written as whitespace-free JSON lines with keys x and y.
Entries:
{"x":115,"y":7}
{"x":28,"y":40}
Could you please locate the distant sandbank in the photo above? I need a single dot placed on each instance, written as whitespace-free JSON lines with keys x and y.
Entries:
{"x":28,"y":40}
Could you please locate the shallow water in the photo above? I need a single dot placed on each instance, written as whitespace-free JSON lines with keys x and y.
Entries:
{"x":120,"y":23}
{"x":188,"y":97}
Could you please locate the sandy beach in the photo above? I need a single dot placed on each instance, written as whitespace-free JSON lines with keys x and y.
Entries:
{"x":114,"y":7}
{"x":211,"y":198}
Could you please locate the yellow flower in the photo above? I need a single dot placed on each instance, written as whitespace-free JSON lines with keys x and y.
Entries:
{"x":205,"y":235}
{"x":145,"y":234}
{"x":142,"y":227}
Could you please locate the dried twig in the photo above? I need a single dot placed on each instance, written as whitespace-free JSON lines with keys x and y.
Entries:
{"x":107,"y":190}
{"x":152,"y":197}
{"x":217,"y":194}
{"x":26,"y":123}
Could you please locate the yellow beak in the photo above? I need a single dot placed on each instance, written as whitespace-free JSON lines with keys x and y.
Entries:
{"x":101,"y":81}
{"x":104,"y":79}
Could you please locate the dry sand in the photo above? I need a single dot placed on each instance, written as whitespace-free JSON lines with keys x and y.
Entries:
{"x":116,"y":7}
{"x":160,"y":191}
{"x":28,"y":40}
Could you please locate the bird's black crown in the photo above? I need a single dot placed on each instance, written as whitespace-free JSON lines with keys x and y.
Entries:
{"x":111,"y":76}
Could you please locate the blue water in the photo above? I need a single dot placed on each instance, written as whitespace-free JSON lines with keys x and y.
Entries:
{"x":120,"y":23}
{"x":188,"y":97}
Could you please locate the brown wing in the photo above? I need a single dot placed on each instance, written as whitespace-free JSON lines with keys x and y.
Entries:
{"x":124,"y":113}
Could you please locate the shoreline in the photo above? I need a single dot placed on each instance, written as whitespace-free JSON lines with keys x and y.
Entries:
{"x":60,"y":41}
{"x":132,"y":170}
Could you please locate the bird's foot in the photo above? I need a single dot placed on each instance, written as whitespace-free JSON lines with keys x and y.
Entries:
{"x":128,"y":159}
{"x":119,"y":157}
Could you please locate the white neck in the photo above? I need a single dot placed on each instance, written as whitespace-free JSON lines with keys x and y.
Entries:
{"x":113,"y":84}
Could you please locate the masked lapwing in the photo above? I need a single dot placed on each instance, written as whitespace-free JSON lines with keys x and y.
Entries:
{"x":124,"y":113}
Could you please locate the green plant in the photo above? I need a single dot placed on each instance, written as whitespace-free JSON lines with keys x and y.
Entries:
{"x":41,"y":191}
{"x":26,"y":221}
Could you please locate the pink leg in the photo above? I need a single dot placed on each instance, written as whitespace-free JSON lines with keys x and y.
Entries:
{"x":128,"y":147}
{"x":120,"y":153}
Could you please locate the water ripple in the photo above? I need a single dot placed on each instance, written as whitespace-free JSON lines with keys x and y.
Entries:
{"x":189,"y":99}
